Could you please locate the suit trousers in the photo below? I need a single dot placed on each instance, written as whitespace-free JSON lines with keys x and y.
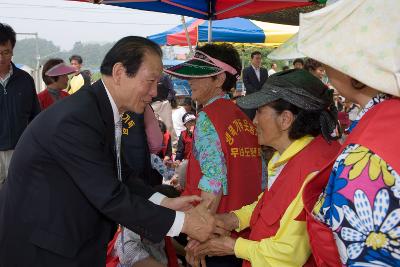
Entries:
{"x":223,"y":261}
{"x":5,"y":158}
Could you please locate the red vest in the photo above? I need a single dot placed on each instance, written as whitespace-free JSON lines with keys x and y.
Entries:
{"x":265,"y":220}
{"x":239,"y":144}
{"x":46,"y":100}
{"x":187,"y":141}
{"x":370,"y":132}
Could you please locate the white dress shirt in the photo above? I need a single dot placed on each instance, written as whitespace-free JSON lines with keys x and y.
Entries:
{"x":156,"y":198}
{"x":257,"y":70}
{"x":271,"y":72}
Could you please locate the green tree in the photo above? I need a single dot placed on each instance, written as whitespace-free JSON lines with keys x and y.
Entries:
{"x":245,"y":51}
{"x":25,"y":51}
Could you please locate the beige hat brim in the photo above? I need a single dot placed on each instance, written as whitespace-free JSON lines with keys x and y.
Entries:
{"x":360,"y":38}
{"x":287,"y":50}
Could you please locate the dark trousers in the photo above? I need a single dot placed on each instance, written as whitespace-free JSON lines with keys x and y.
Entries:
{"x":223,"y":261}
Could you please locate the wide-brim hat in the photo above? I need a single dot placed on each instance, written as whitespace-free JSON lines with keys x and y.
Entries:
{"x":296,"y":86}
{"x":360,"y":38}
{"x":201,"y":65}
{"x":60,"y":69}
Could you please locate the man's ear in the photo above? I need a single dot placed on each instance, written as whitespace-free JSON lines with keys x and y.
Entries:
{"x":118,"y":72}
{"x":286,"y":120}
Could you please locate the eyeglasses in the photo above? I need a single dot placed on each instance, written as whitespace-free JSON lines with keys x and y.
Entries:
{"x":6,"y":53}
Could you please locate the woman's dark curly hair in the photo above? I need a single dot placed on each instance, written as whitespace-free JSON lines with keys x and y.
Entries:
{"x":228,"y":54}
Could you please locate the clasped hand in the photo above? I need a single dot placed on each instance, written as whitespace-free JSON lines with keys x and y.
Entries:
{"x":199,"y":223}
{"x":220,"y":243}
{"x":208,"y":233}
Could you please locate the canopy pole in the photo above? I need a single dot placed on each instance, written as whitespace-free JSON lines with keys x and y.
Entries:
{"x":209,"y":30}
{"x":187,"y":35}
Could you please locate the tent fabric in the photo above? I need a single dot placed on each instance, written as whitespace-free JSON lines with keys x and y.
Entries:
{"x":208,"y":9}
{"x":238,"y":30}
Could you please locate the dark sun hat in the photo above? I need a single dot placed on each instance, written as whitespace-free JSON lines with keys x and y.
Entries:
{"x":298,"y":87}
{"x":201,"y":65}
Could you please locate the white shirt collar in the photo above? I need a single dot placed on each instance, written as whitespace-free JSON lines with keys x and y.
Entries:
{"x":117,"y":117}
{"x":256,"y":68}
{"x":7,"y":76}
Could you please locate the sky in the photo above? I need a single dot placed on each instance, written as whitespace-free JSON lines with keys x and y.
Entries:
{"x":66,"y":22}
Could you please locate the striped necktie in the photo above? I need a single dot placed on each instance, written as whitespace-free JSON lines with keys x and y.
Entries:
{"x":118,"y":134}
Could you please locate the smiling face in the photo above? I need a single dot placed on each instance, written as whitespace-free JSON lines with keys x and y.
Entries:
{"x":136,"y":92}
{"x":319,"y":72}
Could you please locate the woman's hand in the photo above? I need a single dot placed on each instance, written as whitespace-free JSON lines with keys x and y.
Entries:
{"x":190,"y":258}
{"x":220,"y":246}
{"x":227,"y":221}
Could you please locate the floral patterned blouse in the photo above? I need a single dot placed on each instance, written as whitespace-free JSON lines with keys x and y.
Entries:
{"x":208,"y":151}
{"x":361,"y":205}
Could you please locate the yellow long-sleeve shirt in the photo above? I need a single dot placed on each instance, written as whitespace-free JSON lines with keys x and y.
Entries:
{"x":290,"y":246}
{"x":75,"y":83}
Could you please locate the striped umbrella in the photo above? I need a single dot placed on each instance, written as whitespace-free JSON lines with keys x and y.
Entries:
{"x":238,"y":30}
{"x":209,"y":9}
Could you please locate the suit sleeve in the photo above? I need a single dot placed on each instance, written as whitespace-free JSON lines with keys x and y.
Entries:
{"x":246,"y":81}
{"x":79,"y":147}
{"x":264,"y":76}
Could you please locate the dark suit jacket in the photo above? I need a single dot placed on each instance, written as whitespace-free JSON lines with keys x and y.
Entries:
{"x":136,"y":151}
{"x":251,"y":81}
{"x":253,"y":85}
{"x":62,"y":196}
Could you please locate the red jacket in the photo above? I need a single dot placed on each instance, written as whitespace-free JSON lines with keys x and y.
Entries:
{"x":166,"y":145}
{"x":371,"y":132}
{"x":239,"y":144}
{"x":270,"y":208}
{"x":46,"y":100}
{"x":187,"y":141}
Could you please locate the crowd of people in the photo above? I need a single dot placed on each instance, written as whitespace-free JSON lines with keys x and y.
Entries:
{"x":300,"y":171}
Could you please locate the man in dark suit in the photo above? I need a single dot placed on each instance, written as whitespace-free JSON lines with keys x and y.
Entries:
{"x":254,"y":77}
{"x":64,"y":193}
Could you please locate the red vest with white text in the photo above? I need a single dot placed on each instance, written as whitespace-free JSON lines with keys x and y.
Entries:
{"x":378,"y":130}
{"x":239,"y":144}
{"x":265,"y":220}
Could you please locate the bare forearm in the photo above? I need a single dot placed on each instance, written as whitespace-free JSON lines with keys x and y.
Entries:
{"x":215,"y":198}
